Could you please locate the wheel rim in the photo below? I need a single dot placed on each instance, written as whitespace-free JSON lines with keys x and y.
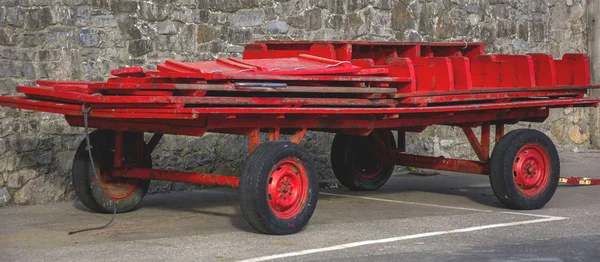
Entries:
{"x":366,"y":160}
{"x":117,"y":188}
{"x":531,"y":170}
{"x":287,"y":188}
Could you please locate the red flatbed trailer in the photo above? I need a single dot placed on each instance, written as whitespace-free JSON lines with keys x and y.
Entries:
{"x":362,"y":91}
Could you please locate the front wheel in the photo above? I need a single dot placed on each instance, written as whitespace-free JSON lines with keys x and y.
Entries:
{"x":279,"y":188}
{"x":524,"y":169}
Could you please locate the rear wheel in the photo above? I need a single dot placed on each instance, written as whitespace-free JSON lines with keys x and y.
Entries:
{"x":524,"y":169}
{"x":279,"y":188}
{"x":101,"y":192}
{"x":358,"y":162}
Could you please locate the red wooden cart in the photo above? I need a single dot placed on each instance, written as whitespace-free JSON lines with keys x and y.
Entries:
{"x":362,"y":91}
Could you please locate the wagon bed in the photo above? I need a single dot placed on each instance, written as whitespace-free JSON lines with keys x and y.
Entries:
{"x":362,"y":91}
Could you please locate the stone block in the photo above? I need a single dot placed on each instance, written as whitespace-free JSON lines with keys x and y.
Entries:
{"x":153,"y":11}
{"x":310,"y":20}
{"x":7,"y":86}
{"x":139,"y":47}
{"x":33,"y":39}
{"x":103,"y":21}
{"x":383,"y":4}
{"x":236,"y":36}
{"x":19,"y":178}
{"x":128,"y":7}
{"x":167,"y":28}
{"x":277,"y":27}
{"x":245,"y":18}
{"x":92,"y":37}
{"x":354,"y":5}
{"x":207,"y":33}
{"x":39,"y":18}
{"x":402,"y":18}
{"x":127,"y":27}
{"x":4,"y":197}
{"x":15,"y":16}
{"x":8,"y":36}
{"x":77,"y":2}
{"x":538,"y":32}
{"x":77,"y":16}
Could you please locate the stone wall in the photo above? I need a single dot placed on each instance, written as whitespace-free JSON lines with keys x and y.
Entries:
{"x":84,"y":39}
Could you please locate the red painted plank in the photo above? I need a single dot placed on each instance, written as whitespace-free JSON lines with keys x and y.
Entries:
{"x":516,"y":71}
{"x":545,"y":71}
{"x":485,"y":71}
{"x":433,"y":74}
{"x":573,"y":69}
{"x":461,"y":69}
{"x":403,"y":67}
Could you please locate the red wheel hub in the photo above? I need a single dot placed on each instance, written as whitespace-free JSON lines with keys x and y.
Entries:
{"x":116,"y":187}
{"x":287,"y":188}
{"x":366,"y":159}
{"x":531,"y":170}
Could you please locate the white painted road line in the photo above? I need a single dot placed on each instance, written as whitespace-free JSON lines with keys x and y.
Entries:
{"x":406,"y":202}
{"x":439,"y":206}
{"x":530,"y":215}
{"x":401,"y":238}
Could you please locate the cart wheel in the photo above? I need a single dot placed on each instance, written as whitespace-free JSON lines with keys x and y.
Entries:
{"x":524,"y":169}
{"x":99,"y":194}
{"x":357,"y":161}
{"x":279,"y":188}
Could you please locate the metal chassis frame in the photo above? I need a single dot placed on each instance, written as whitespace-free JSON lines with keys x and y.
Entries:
{"x":398,"y":156}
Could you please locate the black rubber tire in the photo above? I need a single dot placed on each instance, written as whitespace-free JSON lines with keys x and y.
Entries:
{"x":343,"y":152}
{"x":501,"y":169}
{"x":253,"y":188}
{"x":87,"y":188}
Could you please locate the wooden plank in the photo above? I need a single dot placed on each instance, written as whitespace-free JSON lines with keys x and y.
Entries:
{"x":288,"y":89}
{"x":480,"y":90}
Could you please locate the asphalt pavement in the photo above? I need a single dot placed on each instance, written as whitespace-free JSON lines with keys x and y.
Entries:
{"x":444,"y":217}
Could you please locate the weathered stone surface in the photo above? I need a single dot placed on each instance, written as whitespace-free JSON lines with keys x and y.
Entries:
{"x":154,"y":11}
{"x":139,"y":47}
{"x":236,"y":36}
{"x":103,"y":21}
{"x":61,"y":37}
{"x":246,"y":18}
{"x":127,"y":26}
{"x":207,"y":33}
{"x":167,"y":28}
{"x":19,"y":178}
{"x":229,"y":6}
{"x":7,"y":86}
{"x":278,"y":27}
{"x":4,"y":197}
{"x":402,"y":19}
{"x":38,"y":18}
{"x":33,"y":39}
{"x":92,"y":37}
{"x":310,"y":20}
{"x":15,"y":16}
{"x":42,"y":190}
{"x":8,"y":37}
{"x":78,"y":16}
{"x":355,"y":26}
{"x":124,"y":7}
{"x":577,"y":135}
